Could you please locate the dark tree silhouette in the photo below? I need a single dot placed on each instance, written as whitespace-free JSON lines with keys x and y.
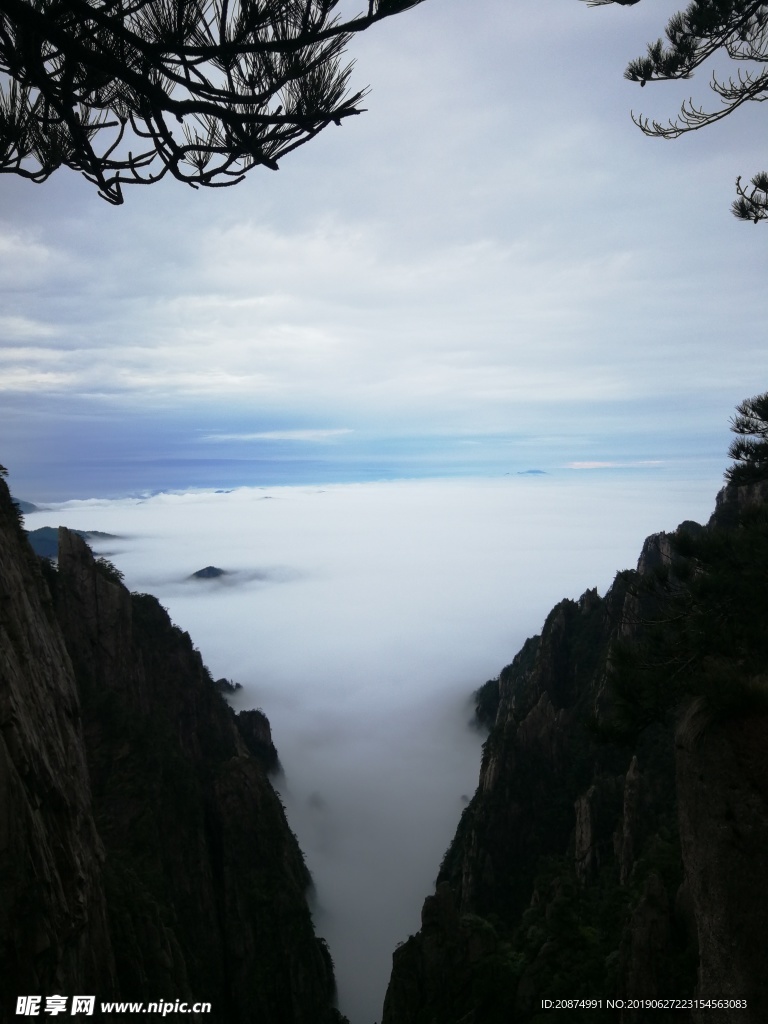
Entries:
{"x":127,"y":91}
{"x":736,"y":29}
{"x":750,"y":449}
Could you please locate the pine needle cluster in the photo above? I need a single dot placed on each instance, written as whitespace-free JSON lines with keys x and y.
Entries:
{"x":128,"y":91}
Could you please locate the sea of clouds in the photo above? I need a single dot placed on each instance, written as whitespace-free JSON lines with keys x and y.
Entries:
{"x":361,"y":617}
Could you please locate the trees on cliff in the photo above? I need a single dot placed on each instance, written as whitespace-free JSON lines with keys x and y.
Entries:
{"x":733,"y":29}
{"x":750,"y":449}
{"x":127,"y":91}
{"x":701,"y":646}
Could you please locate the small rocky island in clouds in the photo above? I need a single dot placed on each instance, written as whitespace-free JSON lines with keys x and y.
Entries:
{"x":27,"y":506}
{"x":210,"y":572}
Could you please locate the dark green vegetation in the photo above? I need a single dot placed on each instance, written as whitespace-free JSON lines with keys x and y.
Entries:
{"x":616,"y":845}
{"x":201,"y":91}
{"x":145,"y":854}
{"x":705,"y":647}
{"x":731,"y":30}
{"x":750,"y":449}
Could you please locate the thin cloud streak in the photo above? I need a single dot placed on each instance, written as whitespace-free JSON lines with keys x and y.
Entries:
{"x":614,"y":465}
{"x":319,"y":435}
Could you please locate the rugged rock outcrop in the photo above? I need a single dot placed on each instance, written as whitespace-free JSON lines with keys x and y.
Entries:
{"x":53,"y":916}
{"x":617,"y":844}
{"x":145,"y":854}
{"x":722,"y":784}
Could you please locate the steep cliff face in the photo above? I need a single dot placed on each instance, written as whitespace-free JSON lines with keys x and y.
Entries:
{"x":145,"y":854}
{"x":53,"y":919}
{"x":722,"y":783}
{"x":616,"y":846}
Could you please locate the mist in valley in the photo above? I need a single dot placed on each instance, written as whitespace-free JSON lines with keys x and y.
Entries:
{"x":360,"y":618}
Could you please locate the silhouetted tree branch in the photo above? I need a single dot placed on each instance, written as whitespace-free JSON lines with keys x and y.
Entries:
{"x":737,"y":29}
{"x":750,"y":449}
{"x":127,"y":91}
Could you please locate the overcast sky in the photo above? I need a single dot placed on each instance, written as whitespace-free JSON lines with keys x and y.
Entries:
{"x":491,"y":269}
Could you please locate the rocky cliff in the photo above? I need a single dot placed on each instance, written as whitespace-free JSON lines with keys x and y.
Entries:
{"x":53,"y":914}
{"x":617,"y":844}
{"x":145,"y":854}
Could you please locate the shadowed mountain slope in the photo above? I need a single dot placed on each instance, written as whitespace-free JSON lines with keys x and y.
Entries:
{"x":617,"y":844}
{"x":144,"y":852}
